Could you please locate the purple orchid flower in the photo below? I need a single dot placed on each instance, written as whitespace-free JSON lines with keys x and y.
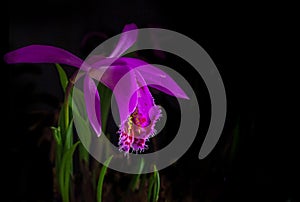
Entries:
{"x":137,"y":109}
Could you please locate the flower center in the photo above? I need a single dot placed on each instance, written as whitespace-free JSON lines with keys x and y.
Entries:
{"x":138,"y":128}
{"x":139,"y":119}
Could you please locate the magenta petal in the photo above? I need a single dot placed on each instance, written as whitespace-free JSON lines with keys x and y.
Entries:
{"x":155,"y":77}
{"x":125,"y":93}
{"x":42,"y":54}
{"x":109,"y":76}
{"x":145,"y":99}
{"x":122,"y":82}
{"x":92,"y":102}
{"x":127,"y":39}
{"x":97,"y":61}
{"x":126,"y":97}
{"x":129,"y":27}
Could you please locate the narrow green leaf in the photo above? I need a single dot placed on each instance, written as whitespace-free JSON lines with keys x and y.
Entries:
{"x":84,"y":133}
{"x":105,"y":95}
{"x":69,"y":136}
{"x":101,"y":178}
{"x":78,"y":103}
{"x":150,"y":188}
{"x":57,"y":135}
{"x":154,"y":186}
{"x":58,"y":148}
{"x":62,"y":123}
{"x":157,"y":184}
{"x":136,"y":179}
{"x":62,"y":76}
{"x":65,"y":171}
{"x":82,"y":124}
{"x":154,"y":190}
{"x":63,"y":120}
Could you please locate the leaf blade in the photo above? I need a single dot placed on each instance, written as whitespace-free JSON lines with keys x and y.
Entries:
{"x":62,"y":77}
{"x":101,"y":179}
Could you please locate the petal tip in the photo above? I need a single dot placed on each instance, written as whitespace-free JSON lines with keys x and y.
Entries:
{"x":9,"y":57}
{"x":185,"y":97}
{"x":129,"y":27}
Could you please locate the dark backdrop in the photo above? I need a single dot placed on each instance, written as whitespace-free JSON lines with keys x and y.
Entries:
{"x":240,"y":40}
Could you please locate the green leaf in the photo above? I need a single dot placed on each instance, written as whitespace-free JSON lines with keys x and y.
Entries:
{"x":58,"y":147}
{"x":62,"y":123}
{"x":65,"y":172}
{"x":105,"y":95}
{"x":63,"y":120}
{"x":78,"y":103}
{"x":154,"y":186}
{"x":136,"y":179}
{"x":57,"y":135}
{"x":150,"y":193}
{"x":62,"y":76}
{"x":84,"y":133}
{"x":101,"y":178}
{"x":157,"y":184}
{"x":69,"y":136}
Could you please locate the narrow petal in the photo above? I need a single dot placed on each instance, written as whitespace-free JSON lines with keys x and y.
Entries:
{"x":92,"y":101}
{"x":155,"y":77}
{"x":42,"y":54}
{"x":127,"y":39}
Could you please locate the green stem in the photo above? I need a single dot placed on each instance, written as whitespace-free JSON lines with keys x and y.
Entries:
{"x":67,"y":95}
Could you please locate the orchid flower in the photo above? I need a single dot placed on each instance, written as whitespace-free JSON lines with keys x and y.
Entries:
{"x":137,"y":109}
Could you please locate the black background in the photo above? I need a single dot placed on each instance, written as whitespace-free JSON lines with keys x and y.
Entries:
{"x":244,"y":41}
